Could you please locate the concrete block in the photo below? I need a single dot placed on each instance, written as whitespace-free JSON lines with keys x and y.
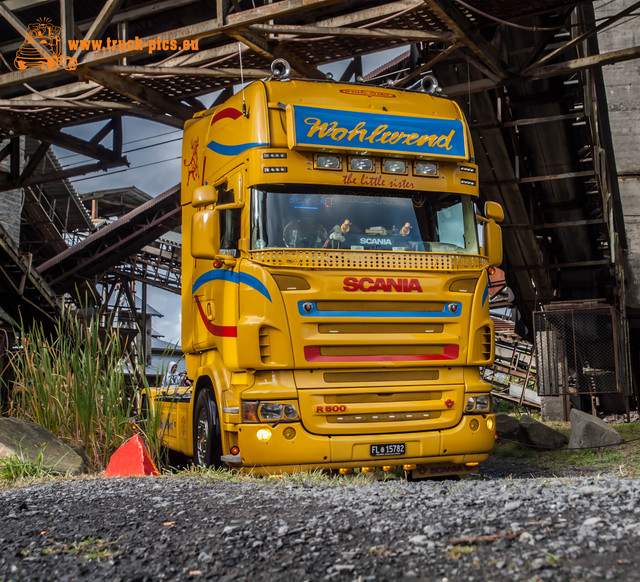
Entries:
{"x":540,"y":435}
{"x":27,"y":440}
{"x":507,"y":426}
{"x":552,"y":408}
{"x":589,"y":431}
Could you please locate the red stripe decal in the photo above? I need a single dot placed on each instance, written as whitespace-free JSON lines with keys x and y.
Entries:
{"x":217,"y":330}
{"x":229,"y":112}
{"x":312,"y":354}
{"x":204,"y":165}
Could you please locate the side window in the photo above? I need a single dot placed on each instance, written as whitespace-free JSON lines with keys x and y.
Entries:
{"x":451,"y":225}
{"x":229,"y":231}
{"x":225,"y":196}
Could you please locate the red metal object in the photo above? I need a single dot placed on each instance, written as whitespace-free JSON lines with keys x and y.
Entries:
{"x":131,"y":460}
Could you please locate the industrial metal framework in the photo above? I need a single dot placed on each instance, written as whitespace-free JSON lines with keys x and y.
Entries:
{"x":526,"y":73}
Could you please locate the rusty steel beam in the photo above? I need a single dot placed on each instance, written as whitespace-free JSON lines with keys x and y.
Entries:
{"x":469,"y":37}
{"x":150,"y":97}
{"x":205,"y":29}
{"x":384,"y":33}
{"x":34,"y":179}
{"x":572,"y":223}
{"x":153,"y":71}
{"x":549,"y":177}
{"x":22,"y":126}
{"x":582,"y":37}
{"x":16,"y":23}
{"x":100,"y":24}
{"x":112,"y":244}
{"x":271,"y":50}
{"x":35,"y":159}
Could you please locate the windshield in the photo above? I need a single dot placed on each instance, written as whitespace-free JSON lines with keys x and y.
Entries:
{"x":293,"y":216}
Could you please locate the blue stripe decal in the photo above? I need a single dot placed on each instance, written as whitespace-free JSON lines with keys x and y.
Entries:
{"x":451,"y":309}
{"x":232,"y":150}
{"x":255,"y":283}
{"x":485,"y":294}
{"x":232,"y":277}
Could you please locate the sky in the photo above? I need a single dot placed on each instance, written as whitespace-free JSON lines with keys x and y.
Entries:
{"x":154,"y":152}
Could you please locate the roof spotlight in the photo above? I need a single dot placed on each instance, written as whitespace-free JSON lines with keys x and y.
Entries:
{"x":280,"y":69}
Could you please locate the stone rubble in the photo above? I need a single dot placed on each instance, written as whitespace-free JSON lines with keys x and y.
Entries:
{"x":580,"y":528}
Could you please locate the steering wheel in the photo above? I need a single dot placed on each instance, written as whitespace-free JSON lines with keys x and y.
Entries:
{"x":304,"y":233}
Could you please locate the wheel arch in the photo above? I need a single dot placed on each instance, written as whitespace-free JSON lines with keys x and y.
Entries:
{"x":208,"y":381}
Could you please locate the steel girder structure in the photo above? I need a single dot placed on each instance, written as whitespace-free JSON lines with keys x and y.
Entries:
{"x":520,"y":70}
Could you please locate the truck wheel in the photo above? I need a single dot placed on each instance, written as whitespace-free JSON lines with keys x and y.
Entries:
{"x":207,"y":447}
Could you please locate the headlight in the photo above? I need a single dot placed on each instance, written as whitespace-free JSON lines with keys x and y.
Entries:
{"x":425,"y":169}
{"x":327,"y":162}
{"x":271,"y":411}
{"x":391,"y":166}
{"x":361,"y":164}
{"x":253,"y":411}
{"x":290,"y":411}
{"x":480,"y":403}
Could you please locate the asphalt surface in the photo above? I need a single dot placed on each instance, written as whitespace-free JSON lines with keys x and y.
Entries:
{"x":502,"y":525}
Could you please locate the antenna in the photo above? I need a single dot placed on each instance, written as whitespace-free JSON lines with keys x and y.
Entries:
{"x":244,"y":104}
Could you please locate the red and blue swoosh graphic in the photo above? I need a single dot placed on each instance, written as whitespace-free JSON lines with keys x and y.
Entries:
{"x":232,"y":277}
{"x":230,"y":149}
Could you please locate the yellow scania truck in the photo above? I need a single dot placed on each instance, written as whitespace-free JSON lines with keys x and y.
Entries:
{"x":335,"y":308}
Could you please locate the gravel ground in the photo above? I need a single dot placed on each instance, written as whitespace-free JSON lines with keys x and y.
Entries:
{"x":491,"y":527}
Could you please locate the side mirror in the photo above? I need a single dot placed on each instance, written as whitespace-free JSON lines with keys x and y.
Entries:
{"x":493,"y":210}
{"x":493,"y":233}
{"x":205,"y":234}
{"x":204,"y":196}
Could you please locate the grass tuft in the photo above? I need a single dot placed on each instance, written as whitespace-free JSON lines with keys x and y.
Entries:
{"x":14,"y":468}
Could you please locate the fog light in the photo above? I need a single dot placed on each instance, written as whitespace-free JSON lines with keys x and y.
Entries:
{"x":361,"y":164}
{"x":490,"y":423}
{"x":395,"y":166}
{"x":389,"y":468}
{"x":474,"y":424}
{"x":264,"y":434}
{"x":345,"y":471}
{"x":426,"y":169}
{"x":326,"y":162}
{"x":289,"y":433}
{"x":409,"y":467}
{"x":368,"y":469}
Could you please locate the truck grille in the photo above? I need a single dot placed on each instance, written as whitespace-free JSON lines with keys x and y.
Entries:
{"x":384,"y":260}
{"x":378,"y":410}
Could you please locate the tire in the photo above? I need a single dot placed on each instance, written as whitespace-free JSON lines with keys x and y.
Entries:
{"x":207,"y":446}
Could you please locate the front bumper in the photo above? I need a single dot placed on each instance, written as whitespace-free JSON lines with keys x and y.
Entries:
{"x":284,"y":453}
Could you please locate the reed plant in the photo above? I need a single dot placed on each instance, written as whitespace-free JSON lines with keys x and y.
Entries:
{"x":72,"y":381}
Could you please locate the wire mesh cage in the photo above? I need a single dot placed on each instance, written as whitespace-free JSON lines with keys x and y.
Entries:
{"x":582,"y":351}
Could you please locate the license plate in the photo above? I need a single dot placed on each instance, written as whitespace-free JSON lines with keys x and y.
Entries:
{"x":388,"y":450}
